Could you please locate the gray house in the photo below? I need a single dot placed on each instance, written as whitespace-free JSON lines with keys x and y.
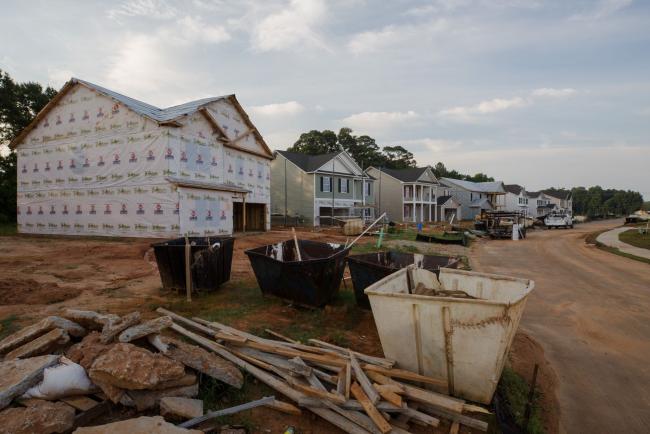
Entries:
{"x":410,"y":195}
{"x":317,"y":188}
{"x":475,"y":197}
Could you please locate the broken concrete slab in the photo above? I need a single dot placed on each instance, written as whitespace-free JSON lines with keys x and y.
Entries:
{"x":17,"y":376}
{"x":114,"y":328}
{"x":140,"y":425}
{"x":199,"y":359}
{"x":89,"y":319}
{"x":86,"y":351}
{"x":130,"y":367}
{"x":146,"y":399}
{"x":30,"y":333}
{"x":38,"y":416}
{"x":176,"y":408}
{"x":113,"y":393}
{"x":41,"y":345}
{"x":146,"y":328}
{"x":186,"y":380}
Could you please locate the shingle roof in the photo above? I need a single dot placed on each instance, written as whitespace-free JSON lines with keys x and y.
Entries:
{"x":513,"y":188}
{"x":564,"y":195}
{"x":405,"y":175}
{"x":443,"y":199}
{"x":306,"y":162}
{"x":483,"y":187}
{"x":533,"y":194}
{"x":153,"y":112}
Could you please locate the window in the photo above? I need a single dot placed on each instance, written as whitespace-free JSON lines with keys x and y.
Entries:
{"x":344,"y":185}
{"x":325,"y":184}
{"x":368,"y":188}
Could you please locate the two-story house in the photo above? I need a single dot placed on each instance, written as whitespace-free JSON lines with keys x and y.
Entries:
{"x":319,"y":189}
{"x":475,"y":197}
{"x":561,"y":199}
{"x":406,"y":195}
{"x":516,"y":198}
{"x":539,"y":204}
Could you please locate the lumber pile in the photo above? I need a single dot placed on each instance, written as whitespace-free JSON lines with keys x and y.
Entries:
{"x":356,"y":392}
{"x":63,"y":371}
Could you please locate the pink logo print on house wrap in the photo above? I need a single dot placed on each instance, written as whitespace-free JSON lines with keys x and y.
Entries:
{"x":208,"y":215}
{"x":158,"y":209}
{"x":24,"y":168}
{"x":116,"y":108}
{"x":123,"y":210}
{"x":71,"y":118}
{"x":140,"y":209}
{"x":40,"y":210}
{"x":65,"y":209}
{"x":199,"y":159}
{"x":169,"y":155}
{"x":100,"y":113}
{"x":107,"y":208}
{"x":60,"y":165}
{"x":183,"y":156}
{"x":47,"y":122}
{"x":78,"y":211}
{"x":29,"y":210}
{"x":86,"y":163}
{"x":201,"y":135}
{"x":193,"y":215}
{"x":214,"y":161}
{"x":92,"y":209}
{"x":52,"y":210}
{"x":241,"y":171}
{"x":85,"y":117}
{"x":35,"y":167}
{"x":229,"y":168}
{"x":72,"y":164}
{"x":150,"y":155}
{"x":223,"y":215}
{"x":47,"y":166}
{"x":133,"y":158}
{"x":177,"y":208}
{"x":250,"y":173}
{"x":101,"y":161}
{"x":58,"y":119}
{"x":116,"y":159}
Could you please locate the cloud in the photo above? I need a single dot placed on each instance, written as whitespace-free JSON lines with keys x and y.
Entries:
{"x":289,"y":108}
{"x":394,"y":35}
{"x":468,"y":113}
{"x":190,"y":30}
{"x":295,"y":26}
{"x":376,"y":122}
{"x":603,"y":8}
{"x":158,"y":9}
{"x":553,"y":93}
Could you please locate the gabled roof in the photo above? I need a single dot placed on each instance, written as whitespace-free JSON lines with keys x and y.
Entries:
{"x":513,"y":188}
{"x":443,"y":199}
{"x":168,"y":115}
{"x":481,"y":203}
{"x":533,"y":194}
{"x":562,"y":195}
{"x":411,"y":174}
{"x":308,"y":163}
{"x":482,"y":187}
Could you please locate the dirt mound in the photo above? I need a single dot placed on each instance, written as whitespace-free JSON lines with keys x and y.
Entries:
{"x":29,"y":291}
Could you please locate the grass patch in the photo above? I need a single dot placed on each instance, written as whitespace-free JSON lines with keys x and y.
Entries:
{"x":8,"y":229}
{"x":592,"y":239}
{"x":372,"y":248}
{"x":514,"y":390}
{"x":8,"y":326}
{"x":634,"y":238}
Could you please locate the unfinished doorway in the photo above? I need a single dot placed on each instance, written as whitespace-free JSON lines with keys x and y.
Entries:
{"x":255,"y":216}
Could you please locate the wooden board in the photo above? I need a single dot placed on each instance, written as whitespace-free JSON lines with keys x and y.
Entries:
{"x":370,"y":408}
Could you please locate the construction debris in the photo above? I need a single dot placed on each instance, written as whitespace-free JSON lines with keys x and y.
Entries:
{"x":173,"y":407}
{"x":140,"y":425}
{"x":17,"y":376}
{"x":37,"y":416}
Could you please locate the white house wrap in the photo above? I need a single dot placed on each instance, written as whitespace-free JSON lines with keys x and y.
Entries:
{"x":95,"y":162}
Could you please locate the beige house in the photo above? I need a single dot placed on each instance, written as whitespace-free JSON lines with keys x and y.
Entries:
{"x":408,"y":195}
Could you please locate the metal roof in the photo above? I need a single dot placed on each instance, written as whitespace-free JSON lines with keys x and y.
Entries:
{"x":481,"y":187}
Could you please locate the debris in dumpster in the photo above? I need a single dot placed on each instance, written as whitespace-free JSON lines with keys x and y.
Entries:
{"x":316,"y":376}
{"x":421,"y":289}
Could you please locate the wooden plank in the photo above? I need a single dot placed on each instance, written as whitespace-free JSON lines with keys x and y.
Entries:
{"x":386,"y":363}
{"x":80,"y":402}
{"x":361,"y":377}
{"x":388,"y":395}
{"x":462,"y":419}
{"x":279,"y":336}
{"x":317,"y":392}
{"x":284,"y":407}
{"x":300,"y":367}
{"x":332,"y":379}
{"x":188,"y":323}
{"x":395,"y":388}
{"x":269,"y":380}
{"x":289,"y":352}
{"x":421,"y":395}
{"x":370,"y":408}
{"x":455,"y":427}
{"x":340,"y":383}
{"x":407,"y":375}
{"x":348,"y":379}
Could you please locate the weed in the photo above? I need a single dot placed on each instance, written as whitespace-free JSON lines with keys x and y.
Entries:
{"x":7,"y":326}
{"x":514,"y":390}
{"x":8,"y":229}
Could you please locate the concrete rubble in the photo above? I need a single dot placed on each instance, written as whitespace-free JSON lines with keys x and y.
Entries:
{"x":38,"y":416}
{"x":180,"y":408}
{"x":17,"y":376}
{"x":140,"y":425}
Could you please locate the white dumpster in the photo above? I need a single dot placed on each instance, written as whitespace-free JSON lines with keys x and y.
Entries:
{"x":463,"y":341}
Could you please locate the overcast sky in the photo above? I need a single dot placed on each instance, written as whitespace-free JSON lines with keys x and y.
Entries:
{"x":540,"y":93}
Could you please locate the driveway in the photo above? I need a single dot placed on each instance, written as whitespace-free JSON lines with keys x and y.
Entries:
{"x":590,"y":311}
{"x":610,"y":238}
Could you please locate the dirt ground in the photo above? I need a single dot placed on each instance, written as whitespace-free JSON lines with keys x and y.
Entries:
{"x":589,"y":313}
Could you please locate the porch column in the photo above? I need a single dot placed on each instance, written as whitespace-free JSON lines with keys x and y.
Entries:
{"x":243,"y":213}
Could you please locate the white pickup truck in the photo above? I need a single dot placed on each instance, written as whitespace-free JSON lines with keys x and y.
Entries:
{"x":558,"y":219}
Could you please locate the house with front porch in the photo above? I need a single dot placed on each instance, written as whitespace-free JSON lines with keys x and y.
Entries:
{"x":516,"y":198}
{"x":539,"y":204}
{"x":319,"y":190}
{"x":407,"y":195}
{"x":475,"y":197}
{"x":562,"y":199}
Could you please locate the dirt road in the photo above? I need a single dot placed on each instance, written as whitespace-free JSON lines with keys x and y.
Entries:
{"x":590,"y":311}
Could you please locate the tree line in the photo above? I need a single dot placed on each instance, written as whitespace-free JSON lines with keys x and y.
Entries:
{"x":598,"y":202}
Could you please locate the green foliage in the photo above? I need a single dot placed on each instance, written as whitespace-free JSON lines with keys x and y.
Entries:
{"x":7,"y":326}
{"x":634,"y":238}
{"x":646,"y":206}
{"x":442,"y":172}
{"x":597,"y":202}
{"x":363,"y":149}
{"x":19,"y":104}
{"x":514,"y":390}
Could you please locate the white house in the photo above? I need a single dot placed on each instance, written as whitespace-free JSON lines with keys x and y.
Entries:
{"x":561,"y":199}
{"x":475,"y":197}
{"x":95,"y":162}
{"x":538,"y":204}
{"x":516,"y":198}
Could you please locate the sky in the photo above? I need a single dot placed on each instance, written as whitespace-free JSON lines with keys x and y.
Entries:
{"x":538,"y":93}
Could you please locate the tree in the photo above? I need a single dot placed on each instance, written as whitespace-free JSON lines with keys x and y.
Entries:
{"x":398,"y":157}
{"x":316,"y":142}
{"x":19,"y":104}
{"x":480,"y":177}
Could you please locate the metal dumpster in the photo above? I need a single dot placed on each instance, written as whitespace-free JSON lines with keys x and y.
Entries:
{"x":314,"y":281}
{"x":368,"y":268}
{"x":463,"y":341}
{"x":211,"y":259}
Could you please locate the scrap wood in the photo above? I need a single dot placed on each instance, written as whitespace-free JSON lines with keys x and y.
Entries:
{"x":388,"y":394}
{"x":284,"y":407}
{"x":462,"y":419}
{"x":361,"y":377}
{"x":232,"y":410}
{"x":370,"y":408}
{"x":279,"y":336}
{"x":386,"y":363}
{"x":455,"y":426}
{"x":406,"y":375}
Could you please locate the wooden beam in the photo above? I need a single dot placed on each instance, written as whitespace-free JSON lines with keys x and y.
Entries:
{"x":361,"y":377}
{"x":370,"y":408}
{"x":284,"y":407}
{"x":407,"y":375}
{"x":386,"y":363}
{"x":388,"y":394}
{"x":279,"y":336}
